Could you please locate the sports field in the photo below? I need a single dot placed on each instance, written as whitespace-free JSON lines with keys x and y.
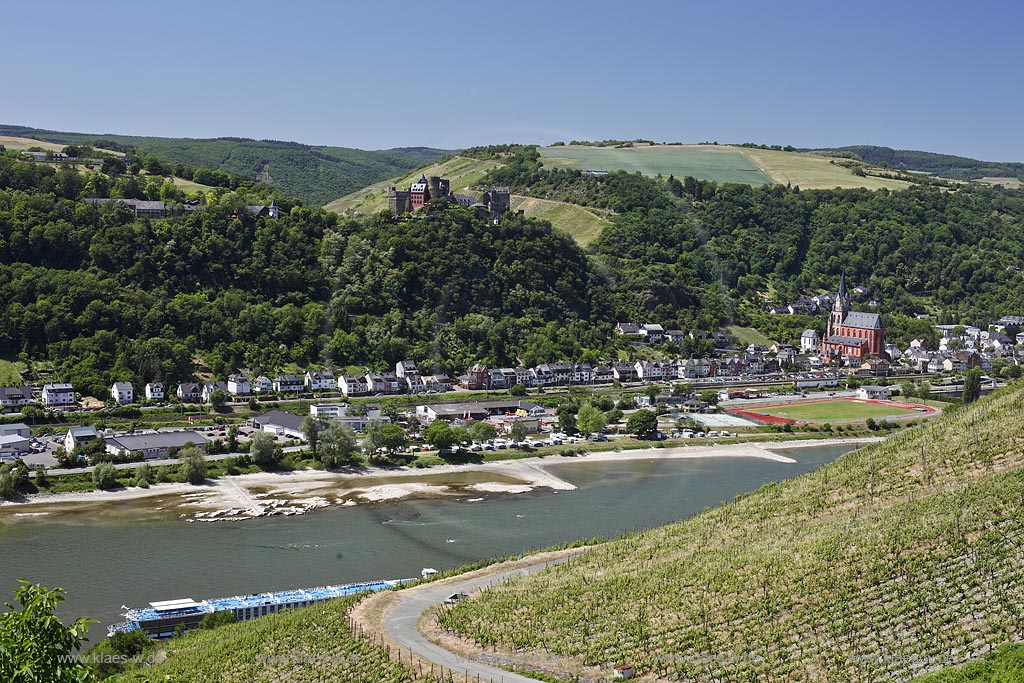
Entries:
{"x":708,"y":162}
{"x":835,"y":411}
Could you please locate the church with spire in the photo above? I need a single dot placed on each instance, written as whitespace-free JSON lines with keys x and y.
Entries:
{"x":851,"y":335}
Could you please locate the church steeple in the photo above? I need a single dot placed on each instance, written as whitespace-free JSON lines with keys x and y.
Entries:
{"x":839,"y":309}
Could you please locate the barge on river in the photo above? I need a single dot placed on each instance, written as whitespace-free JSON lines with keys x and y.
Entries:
{"x":163,"y":619}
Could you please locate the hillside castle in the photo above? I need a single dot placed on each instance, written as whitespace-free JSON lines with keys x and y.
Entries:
{"x":495,"y":201}
{"x":851,"y":334}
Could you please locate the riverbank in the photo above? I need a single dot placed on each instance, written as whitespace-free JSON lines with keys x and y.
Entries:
{"x":266,"y":494}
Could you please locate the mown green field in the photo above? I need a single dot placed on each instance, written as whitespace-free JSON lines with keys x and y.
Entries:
{"x":708,"y":162}
{"x":583,"y":223}
{"x":9,"y":375}
{"x":839,"y":410}
{"x":462,"y":172}
{"x":891,"y":562}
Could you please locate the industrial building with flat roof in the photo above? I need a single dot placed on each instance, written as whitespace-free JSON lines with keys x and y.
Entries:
{"x":156,"y":445}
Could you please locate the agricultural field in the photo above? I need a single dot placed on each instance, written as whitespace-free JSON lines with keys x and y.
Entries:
{"x":894,"y":561}
{"x":837,"y":411}
{"x":813,"y":172}
{"x":463,"y":173}
{"x":307,"y":645}
{"x":708,"y":162}
{"x":1008,"y":183}
{"x":22,"y":144}
{"x":583,"y":223}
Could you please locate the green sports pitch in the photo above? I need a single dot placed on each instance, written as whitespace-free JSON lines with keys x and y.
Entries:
{"x":837,"y":411}
{"x":707,"y":162}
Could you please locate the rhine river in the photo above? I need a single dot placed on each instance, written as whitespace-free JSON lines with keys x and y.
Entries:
{"x":120,"y":561}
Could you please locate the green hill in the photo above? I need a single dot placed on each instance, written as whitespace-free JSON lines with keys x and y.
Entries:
{"x":314,"y":174}
{"x":893,"y":561}
{"x":583,"y":224}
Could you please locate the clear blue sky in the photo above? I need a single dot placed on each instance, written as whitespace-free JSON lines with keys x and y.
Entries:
{"x":937,"y":76}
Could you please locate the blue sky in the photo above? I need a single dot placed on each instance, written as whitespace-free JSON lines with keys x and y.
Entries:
{"x":936,"y":76}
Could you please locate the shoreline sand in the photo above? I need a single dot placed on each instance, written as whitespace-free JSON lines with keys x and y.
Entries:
{"x":262,"y":494}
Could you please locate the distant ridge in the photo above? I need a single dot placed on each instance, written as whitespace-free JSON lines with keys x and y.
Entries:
{"x":315,"y":174}
{"x":945,"y":165}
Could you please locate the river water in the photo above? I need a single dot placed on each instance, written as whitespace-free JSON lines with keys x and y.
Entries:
{"x":121,"y":560}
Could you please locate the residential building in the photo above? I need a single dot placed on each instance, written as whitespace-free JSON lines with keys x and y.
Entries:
{"x":627,"y":329}
{"x":404,"y":368}
{"x":328,"y":410}
{"x":873,"y":393}
{"x":189,"y":391}
{"x":123,"y":393}
{"x":58,"y":395}
{"x":475,"y":378}
{"x":320,"y":380}
{"x":210,"y":387}
{"x":77,"y":437}
{"x":675,"y":336}
{"x":652,"y":332}
{"x":351,"y":385}
{"x":623,"y":372}
{"x":437,"y":383}
{"x":289,"y":384}
{"x":810,"y":342}
{"x":238,"y":385}
{"x":392,"y":384}
{"x":154,"y":391}
{"x":263,"y":384}
{"x":414,"y":383}
{"x":141,"y":207}
{"x":15,"y":396}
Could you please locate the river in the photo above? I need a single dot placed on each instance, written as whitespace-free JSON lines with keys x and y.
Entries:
{"x":104,"y":563}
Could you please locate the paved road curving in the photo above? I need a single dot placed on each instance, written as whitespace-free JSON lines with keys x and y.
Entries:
{"x":400,"y":623}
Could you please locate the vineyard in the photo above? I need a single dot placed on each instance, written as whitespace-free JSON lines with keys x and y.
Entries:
{"x":311,"y":645}
{"x":891,"y":562}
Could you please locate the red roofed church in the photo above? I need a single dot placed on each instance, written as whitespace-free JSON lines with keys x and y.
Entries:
{"x":851,"y":334}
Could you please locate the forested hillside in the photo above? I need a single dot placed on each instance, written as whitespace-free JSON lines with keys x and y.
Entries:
{"x":945,"y":165}
{"x":316,"y":175}
{"x":107,"y":296}
{"x":730,"y":246}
